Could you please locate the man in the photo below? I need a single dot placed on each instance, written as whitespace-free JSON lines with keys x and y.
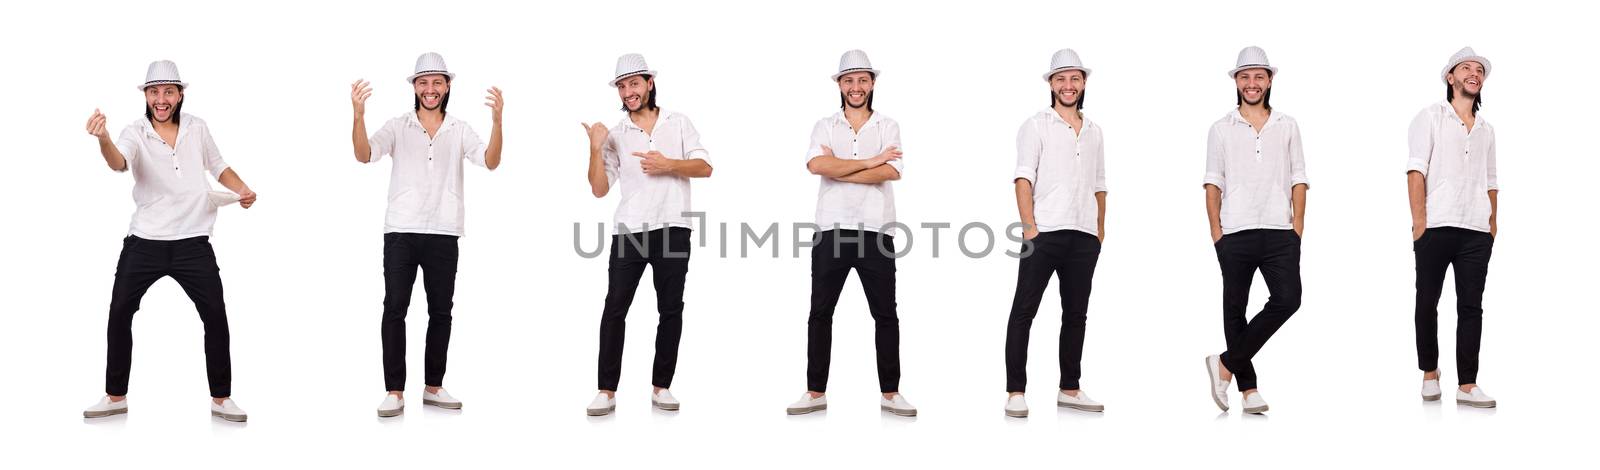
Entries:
{"x":425,"y":218}
{"x":652,"y":154}
{"x":1061,"y":197}
{"x":1454,"y":194}
{"x":856,"y":153}
{"x":1256,"y":202}
{"x":169,"y":153}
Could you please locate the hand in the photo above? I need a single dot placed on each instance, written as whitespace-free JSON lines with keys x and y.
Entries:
{"x":1299,"y":230}
{"x":597,"y":135}
{"x":1418,"y":229}
{"x":495,"y":102}
{"x":97,"y":125}
{"x":1494,"y":230}
{"x":359,"y":92}
{"x":1030,"y":233}
{"x":827,"y":151}
{"x":1102,"y":236}
{"x":247,"y":198}
{"x":1216,"y":235}
{"x":889,"y":154}
{"x":654,"y":163}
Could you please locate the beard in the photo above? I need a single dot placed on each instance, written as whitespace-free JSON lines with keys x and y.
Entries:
{"x":444,"y":101}
{"x":1075,"y":98}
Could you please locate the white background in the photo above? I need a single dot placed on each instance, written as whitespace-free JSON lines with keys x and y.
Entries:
{"x":302,"y":268}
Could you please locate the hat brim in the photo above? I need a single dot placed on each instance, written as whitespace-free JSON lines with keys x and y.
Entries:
{"x":875,"y":73}
{"x":181,"y":85}
{"x":1053,"y":73}
{"x":413,"y":78}
{"x":628,"y":75}
{"x":1444,"y":76}
{"x":1235,"y":72}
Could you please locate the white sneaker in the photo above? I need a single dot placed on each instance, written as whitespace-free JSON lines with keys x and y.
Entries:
{"x":897,"y":405}
{"x":392,"y":406}
{"x":1017,"y":407}
{"x":1475,"y":399}
{"x":664,"y":400}
{"x":228,"y":411}
{"x":1219,"y":387}
{"x":1082,"y":402}
{"x":808,"y":404}
{"x":441,"y":399}
{"x":1254,"y":404}
{"x":602,"y":405}
{"x":105,"y":407}
{"x":1430,"y":390}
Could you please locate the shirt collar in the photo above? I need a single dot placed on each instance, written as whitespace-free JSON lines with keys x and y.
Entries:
{"x":1055,"y":116}
{"x":661,"y":115}
{"x":1271,"y":118}
{"x":449,"y":121}
{"x":1448,"y":110}
{"x":838,"y":117}
{"x":183,"y":126}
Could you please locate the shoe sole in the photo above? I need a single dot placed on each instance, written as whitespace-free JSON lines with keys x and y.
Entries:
{"x":1476,"y":404}
{"x":1256,"y":411}
{"x":102,"y":414}
{"x":230,"y":418}
{"x":1017,"y":414}
{"x":391,"y":413}
{"x":442,"y":404}
{"x":1431,"y":397}
{"x":807,"y":409}
{"x":1210,"y":380}
{"x":1091,"y":408}
{"x":664,"y":406}
{"x":907,"y":413}
{"x":601,"y":412}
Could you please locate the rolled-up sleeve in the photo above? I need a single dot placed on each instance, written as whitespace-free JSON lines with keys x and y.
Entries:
{"x":1420,"y":142}
{"x":1029,"y":147}
{"x":1215,"y":159}
{"x":382,"y":142}
{"x":609,"y":159}
{"x":212,"y":156}
{"x":1494,"y":179}
{"x":692,"y":148}
{"x":819,"y":138}
{"x":1297,"y":159}
{"x":128,"y":144}
{"x":473,"y":148}
{"x":1100,"y":166}
{"x":891,"y":138}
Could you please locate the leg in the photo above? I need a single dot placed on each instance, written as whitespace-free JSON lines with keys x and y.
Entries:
{"x":1077,"y":279}
{"x":438,"y":259}
{"x":1033,"y":276}
{"x":399,"y":274}
{"x":1280,"y":268}
{"x":829,"y":269}
{"x":139,"y":266}
{"x":1238,"y":255}
{"x":627,"y":265}
{"x":877,"y":281}
{"x":668,"y":271}
{"x":1433,"y":253}
{"x":1472,"y":272}
{"x":194,"y":266}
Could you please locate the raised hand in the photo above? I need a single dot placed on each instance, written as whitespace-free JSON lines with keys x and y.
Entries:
{"x":495,"y":102}
{"x":597,"y":134}
{"x":97,"y":125}
{"x":359,"y":92}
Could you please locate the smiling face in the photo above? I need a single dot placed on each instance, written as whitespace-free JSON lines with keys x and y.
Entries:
{"x":1466,"y":79}
{"x":1066,"y":87}
{"x":432,"y":92}
{"x":637,"y":93}
{"x":162,"y":102}
{"x":856,"y":89}
{"x":1253,"y":85}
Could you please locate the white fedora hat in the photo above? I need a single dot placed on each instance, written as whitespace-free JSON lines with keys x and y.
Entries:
{"x":162,"y":72}
{"x":1252,"y":58}
{"x":1065,"y":59}
{"x":855,"y":61}
{"x":1465,"y":55}
{"x":629,"y":65}
{"x":430,"y":63}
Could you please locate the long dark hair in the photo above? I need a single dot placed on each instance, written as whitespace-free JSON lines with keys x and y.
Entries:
{"x":1450,"y":95}
{"x":650,"y":99}
{"x":177,"y":110}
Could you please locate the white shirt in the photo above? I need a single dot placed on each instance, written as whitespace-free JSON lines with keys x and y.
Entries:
{"x":855,"y":206}
{"x":169,"y":183}
{"x":1256,"y":172}
{"x":1457,"y":164}
{"x":651,"y":202}
{"x":425,"y":190}
{"x":1066,"y":169}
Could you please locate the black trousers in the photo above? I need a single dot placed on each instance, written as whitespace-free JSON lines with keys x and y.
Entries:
{"x":193,"y":264}
{"x":871,"y":254}
{"x":1469,"y":251}
{"x":1277,"y":254}
{"x":403,"y":253}
{"x":1071,"y":255}
{"x":666,"y":251}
